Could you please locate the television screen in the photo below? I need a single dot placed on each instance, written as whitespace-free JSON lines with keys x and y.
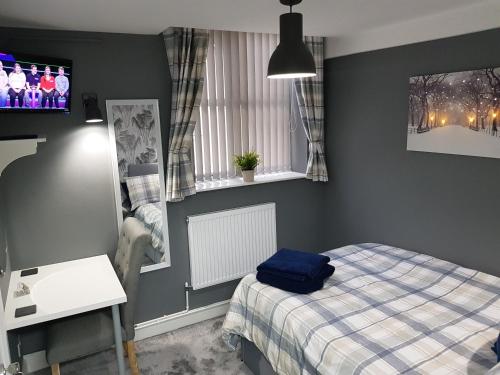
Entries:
{"x":34,"y":83}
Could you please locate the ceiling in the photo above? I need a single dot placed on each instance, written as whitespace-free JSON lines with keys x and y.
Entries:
{"x":331,"y":18}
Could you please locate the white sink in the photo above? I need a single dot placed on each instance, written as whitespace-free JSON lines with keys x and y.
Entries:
{"x":64,"y":289}
{"x":50,"y":294}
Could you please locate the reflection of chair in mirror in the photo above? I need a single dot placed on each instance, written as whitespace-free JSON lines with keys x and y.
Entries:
{"x":89,"y":333}
{"x":143,"y":202}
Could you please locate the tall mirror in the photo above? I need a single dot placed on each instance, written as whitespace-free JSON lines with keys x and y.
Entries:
{"x":137,"y":161}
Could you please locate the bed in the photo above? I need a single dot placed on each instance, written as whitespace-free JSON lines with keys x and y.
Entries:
{"x":149,"y":214}
{"x":384,"y":311}
{"x":151,"y":217}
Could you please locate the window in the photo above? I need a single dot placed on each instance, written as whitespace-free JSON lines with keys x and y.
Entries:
{"x":241,"y":110}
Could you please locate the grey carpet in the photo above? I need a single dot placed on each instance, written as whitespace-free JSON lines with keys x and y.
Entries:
{"x":197,"y":349}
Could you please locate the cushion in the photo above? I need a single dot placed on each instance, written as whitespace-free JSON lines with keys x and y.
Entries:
{"x":143,"y":190}
{"x":79,"y":336}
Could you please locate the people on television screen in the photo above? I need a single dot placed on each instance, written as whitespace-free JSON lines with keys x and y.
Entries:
{"x":33,"y":87}
{"x":62,"y":88}
{"x":4,"y":86}
{"x":17,"y":83}
{"x":48,"y":86}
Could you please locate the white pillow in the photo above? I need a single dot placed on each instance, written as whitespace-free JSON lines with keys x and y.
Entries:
{"x":143,"y":189}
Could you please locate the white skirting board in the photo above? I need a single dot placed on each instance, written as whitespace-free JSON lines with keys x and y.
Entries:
{"x":36,"y":361}
{"x":172,"y":322}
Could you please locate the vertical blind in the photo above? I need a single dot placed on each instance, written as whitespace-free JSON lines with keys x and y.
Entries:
{"x":241,"y":110}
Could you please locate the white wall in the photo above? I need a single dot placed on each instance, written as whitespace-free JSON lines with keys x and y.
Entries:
{"x":473,"y":18}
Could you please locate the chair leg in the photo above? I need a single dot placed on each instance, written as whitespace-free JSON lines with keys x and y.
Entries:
{"x":55,"y":369}
{"x":125,"y":349}
{"x":132,"y":359}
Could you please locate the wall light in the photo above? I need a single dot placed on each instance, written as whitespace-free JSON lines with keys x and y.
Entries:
{"x":91,"y":108}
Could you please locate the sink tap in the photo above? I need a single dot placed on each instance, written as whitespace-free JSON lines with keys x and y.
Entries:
{"x":22,"y":290}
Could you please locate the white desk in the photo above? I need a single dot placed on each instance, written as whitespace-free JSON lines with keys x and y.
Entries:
{"x":63,"y":289}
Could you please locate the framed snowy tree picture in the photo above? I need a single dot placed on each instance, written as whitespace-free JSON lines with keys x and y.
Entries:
{"x":455,"y":113}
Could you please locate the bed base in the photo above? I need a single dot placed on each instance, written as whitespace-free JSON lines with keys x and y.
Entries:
{"x":254,"y":359}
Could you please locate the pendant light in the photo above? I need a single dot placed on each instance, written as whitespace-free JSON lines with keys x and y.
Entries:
{"x":292,"y":58}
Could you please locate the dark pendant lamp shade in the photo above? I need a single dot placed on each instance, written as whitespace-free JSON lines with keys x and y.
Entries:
{"x":91,"y":108}
{"x":292,"y":58}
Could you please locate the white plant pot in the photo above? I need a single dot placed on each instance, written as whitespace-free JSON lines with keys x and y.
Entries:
{"x":248,"y":176}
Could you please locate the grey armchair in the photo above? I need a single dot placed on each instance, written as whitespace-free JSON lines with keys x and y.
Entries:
{"x":89,"y":333}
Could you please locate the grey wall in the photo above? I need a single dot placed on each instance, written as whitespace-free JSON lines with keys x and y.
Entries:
{"x":60,"y":201}
{"x":444,"y":205}
{"x":4,"y":254}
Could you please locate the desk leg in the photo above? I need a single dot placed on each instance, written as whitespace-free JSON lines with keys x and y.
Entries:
{"x":118,"y":339}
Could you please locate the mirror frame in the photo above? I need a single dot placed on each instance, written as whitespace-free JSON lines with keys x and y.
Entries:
{"x":116,"y":176}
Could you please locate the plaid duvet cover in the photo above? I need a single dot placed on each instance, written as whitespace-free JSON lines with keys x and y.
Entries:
{"x":384,"y":311}
{"x":150,"y":215}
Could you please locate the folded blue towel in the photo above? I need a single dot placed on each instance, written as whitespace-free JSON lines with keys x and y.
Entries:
{"x":294,"y":264}
{"x":496,"y":348}
{"x":296,"y":286}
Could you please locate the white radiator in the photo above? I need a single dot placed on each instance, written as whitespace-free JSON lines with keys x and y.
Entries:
{"x":227,"y":245}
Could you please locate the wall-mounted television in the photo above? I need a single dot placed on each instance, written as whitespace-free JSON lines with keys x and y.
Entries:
{"x":30,"y":83}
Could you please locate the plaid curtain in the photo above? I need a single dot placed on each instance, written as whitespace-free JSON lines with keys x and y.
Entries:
{"x":310,"y":101}
{"x":186,"y":53}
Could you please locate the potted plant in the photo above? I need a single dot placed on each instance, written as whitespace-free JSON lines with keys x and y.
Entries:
{"x":247,"y":163}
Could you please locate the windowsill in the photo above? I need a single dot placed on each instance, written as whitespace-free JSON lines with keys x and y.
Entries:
{"x":238,"y":181}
